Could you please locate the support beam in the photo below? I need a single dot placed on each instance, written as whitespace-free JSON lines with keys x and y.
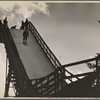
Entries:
{"x":8,"y":78}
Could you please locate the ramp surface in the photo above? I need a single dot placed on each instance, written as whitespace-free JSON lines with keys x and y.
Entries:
{"x":35,"y":61}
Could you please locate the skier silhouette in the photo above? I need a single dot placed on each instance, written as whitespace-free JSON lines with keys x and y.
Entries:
{"x":25,"y":35}
{"x":5,"y":22}
{"x":26,"y":23}
{"x":0,"y":23}
{"x":23,"y":25}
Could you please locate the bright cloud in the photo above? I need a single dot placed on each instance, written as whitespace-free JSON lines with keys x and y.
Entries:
{"x":17,"y":11}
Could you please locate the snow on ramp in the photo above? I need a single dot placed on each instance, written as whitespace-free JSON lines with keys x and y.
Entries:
{"x":35,"y":61}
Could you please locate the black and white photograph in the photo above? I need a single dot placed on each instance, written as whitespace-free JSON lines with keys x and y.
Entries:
{"x":49,"y":49}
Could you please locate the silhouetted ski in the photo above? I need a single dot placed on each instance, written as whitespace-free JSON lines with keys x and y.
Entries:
{"x":25,"y":43}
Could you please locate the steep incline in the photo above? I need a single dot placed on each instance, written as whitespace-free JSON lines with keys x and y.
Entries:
{"x":33,"y":58}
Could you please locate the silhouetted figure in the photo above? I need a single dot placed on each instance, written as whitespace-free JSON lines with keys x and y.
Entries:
{"x":14,"y":27}
{"x":25,"y":35}
{"x":26,"y":23}
{"x":5,"y":22}
{"x":0,"y":23}
{"x":23,"y":25}
{"x":99,"y":21}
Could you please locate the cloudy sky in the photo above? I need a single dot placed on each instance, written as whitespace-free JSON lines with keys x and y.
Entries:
{"x":71,"y":30}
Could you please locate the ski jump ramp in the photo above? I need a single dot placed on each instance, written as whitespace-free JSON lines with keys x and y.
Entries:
{"x":35,"y":62}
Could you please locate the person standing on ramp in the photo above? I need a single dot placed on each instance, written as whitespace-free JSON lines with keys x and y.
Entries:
{"x":25,"y":36}
{"x":26,"y":23}
{"x":5,"y":22}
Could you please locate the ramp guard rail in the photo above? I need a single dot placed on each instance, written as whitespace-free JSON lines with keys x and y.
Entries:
{"x":46,"y":49}
{"x":44,"y":46}
{"x":54,"y":82}
{"x":59,"y":75}
{"x":15,"y":64}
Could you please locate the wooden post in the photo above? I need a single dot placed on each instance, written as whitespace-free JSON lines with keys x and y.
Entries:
{"x":6,"y":65}
{"x":97,"y":70}
{"x":8,"y":79}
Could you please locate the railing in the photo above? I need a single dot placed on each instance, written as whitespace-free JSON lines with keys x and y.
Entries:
{"x":82,"y":64}
{"x":95,"y":61}
{"x":46,"y":49}
{"x":12,"y":52}
{"x":55,"y":81}
{"x":48,"y":85}
{"x":15,"y":63}
{"x":44,"y":46}
{"x":53,"y":78}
